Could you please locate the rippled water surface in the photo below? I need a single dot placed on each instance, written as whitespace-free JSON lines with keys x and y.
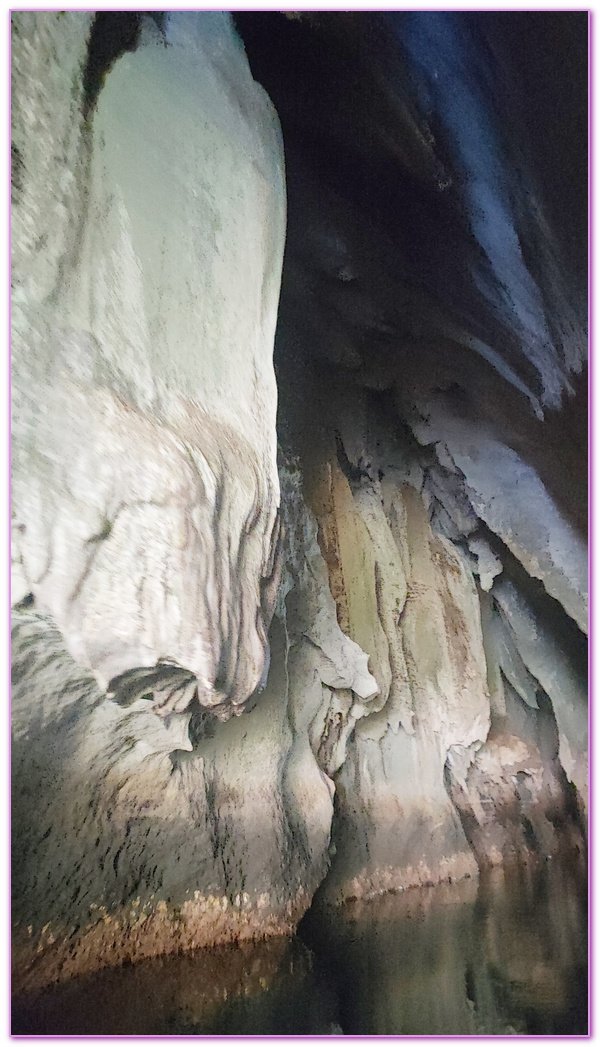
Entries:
{"x":503,"y":955}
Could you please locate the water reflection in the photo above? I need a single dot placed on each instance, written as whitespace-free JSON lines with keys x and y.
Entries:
{"x":505,"y":955}
{"x":252,"y":988}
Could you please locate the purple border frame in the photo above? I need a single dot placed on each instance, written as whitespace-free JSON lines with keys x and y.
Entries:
{"x":9,"y":355}
{"x":591,"y":432}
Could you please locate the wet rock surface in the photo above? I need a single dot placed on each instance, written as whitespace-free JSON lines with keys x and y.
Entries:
{"x":504,"y":957}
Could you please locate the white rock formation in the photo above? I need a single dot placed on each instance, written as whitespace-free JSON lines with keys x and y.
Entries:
{"x":147,"y":264}
{"x":509,"y":496}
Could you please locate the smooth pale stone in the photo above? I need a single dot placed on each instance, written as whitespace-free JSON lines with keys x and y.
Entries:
{"x":145,"y":488}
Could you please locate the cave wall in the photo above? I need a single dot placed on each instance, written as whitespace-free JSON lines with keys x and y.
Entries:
{"x":460,"y":760}
{"x":145,"y":486}
{"x":148,"y":232}
{"x":433,"y":312}
{"x":299,"y":567}
{"x":411,"y":603}
{"x":139,"y":826}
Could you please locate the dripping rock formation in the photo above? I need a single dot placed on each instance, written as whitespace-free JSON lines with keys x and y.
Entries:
{"x":299,"y":479}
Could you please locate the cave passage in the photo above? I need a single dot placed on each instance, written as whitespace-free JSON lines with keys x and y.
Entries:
{"x":299,"y":561}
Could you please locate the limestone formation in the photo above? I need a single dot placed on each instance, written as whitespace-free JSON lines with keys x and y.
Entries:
{"x":411,"y":602}
{"x":299,"y":571}
{"x":145,"y":488}
{"x":508,"y":495}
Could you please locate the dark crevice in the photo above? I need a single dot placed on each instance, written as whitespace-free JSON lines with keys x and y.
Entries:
{"x":27,"y":601}
{"x":352,"y":473}
{"x":16,"y":171}
{"x":564,"y":631}
{"x":112,"y":34}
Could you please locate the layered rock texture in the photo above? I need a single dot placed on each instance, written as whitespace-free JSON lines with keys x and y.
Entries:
{"x":430,"y":356}
{"x":148,"y":233}
{"x":299,"y":544}
{"x":144,"y":473}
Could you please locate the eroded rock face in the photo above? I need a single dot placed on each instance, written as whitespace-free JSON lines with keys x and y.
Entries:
{"x":398,"y":605}
{"x":145,"y":488}
{"x":144,"y":836}
{"x":509,"y":497}
{"x":432,"y":325}
{"x":413,"y":605}
{"x":150,"y":834}
{"x":456,"y":762}
{"x":148,"y":238}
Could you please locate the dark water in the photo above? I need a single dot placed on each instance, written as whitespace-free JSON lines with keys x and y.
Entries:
{"x":504,"y":955}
